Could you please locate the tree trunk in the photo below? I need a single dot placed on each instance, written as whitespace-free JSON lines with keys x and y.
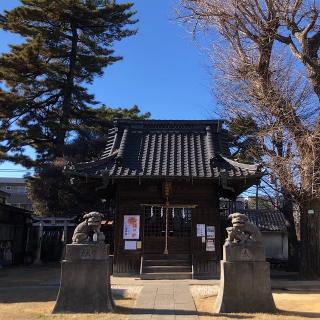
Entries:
{"x":293,"y":254}
{"x":310,"y":240}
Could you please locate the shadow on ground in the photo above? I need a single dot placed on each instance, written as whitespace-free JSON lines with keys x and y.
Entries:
{"x":28,"y":294}
{"x":30,"y":275}
{"x":311,"y":315}
{"x":42,"y":294}
{"x":167,"y":312}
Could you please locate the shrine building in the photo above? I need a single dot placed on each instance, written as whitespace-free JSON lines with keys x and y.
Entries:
{"x":163,"y":180}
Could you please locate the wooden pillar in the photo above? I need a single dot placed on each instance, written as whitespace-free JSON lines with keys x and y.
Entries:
{"x":257,"y":197}
{"x":38,"y":255}
{"x":167,"y":222}
{"x":65,"y":232}
{"x":166,"y":192}
{"x":65,"y":238}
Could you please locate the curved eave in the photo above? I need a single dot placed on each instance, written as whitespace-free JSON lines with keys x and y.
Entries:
{"x":105,"y":175}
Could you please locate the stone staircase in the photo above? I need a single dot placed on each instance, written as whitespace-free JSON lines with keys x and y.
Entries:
{"x":166,"y":266}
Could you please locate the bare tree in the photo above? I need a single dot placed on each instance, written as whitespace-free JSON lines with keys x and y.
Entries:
{"x":266,"y":59}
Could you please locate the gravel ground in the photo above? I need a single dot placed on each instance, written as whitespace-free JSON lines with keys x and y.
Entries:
{"x":203,"y":291}
{"x":126,"y":292}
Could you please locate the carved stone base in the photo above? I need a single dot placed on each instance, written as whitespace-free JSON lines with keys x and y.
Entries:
{"x":245,"y":287}
{"x":249,"y":251}
{"x":85,"y":280}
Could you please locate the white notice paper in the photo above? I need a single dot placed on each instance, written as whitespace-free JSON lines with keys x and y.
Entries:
{"x":201,"y":230}
{"x":210,"y":245}
{"x":211,"y":232}
{"x":130,"y":245}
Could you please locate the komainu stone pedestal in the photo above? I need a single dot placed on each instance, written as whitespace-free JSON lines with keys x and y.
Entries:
{"x":245,"y":280}
{"x":85,"y":280}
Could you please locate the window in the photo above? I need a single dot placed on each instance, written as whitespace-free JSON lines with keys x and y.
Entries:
{"x":8,"y":187}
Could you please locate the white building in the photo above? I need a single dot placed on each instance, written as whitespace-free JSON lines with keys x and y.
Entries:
{"x":17,"y":190}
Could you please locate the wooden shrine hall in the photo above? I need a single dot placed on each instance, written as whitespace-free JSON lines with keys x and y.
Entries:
{"x":165,"y":178}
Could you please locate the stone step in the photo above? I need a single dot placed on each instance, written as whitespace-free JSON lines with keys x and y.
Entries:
{"x":166,"y":269}
{"x":166,"y":276}
{"x":175,"y":256}
{"x":166,"y":262}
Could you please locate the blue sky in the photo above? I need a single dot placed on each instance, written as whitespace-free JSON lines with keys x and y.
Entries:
{"x":163,"y":70}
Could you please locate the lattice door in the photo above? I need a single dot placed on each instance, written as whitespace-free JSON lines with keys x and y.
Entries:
{"x":154,"y":222}
{"x":180,"y":222}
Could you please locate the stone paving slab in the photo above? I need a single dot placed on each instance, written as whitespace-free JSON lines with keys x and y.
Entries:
{"x":275,"y":283}
{"x":165,"y":301}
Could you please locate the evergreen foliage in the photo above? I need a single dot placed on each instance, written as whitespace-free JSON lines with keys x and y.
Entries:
{"x":244,"y":143}
{"x":44,"y":100}
{"x":52,"y":192}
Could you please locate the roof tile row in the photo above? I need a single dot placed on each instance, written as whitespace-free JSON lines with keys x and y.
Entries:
{"x":166,"y":148}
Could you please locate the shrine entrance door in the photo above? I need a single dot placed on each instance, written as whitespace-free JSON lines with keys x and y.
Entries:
{"x":177,"y":237}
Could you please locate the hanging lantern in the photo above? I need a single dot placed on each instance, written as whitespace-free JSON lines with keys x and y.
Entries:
{"x":172,"y":212}
{"x":183,"y":213}
{"x":151,"y":212}
{"x":161,"y":212}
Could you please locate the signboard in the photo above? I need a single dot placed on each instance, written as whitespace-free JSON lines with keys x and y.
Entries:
{"x":201,"y":230}
{"x":210,"y":245}
{"x":130,"y":245}
{"x":131,"y":227}
{"x":211,"y":232}
{"x":311,"y":211}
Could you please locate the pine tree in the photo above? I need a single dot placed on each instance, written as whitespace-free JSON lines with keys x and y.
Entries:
{"x":52,"y":192}
{"x":44,"y":101}
{"x":243,"y":141}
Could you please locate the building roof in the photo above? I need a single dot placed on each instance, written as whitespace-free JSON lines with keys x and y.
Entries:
{"x":9,"y":213}
{"x":21,"y":198}
{"x":265,"y":219}
{"x":13,"y":180}
{"x":166,"y":148}
{"x":4,"y":194}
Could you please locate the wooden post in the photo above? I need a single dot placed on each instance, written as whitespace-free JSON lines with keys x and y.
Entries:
{"x":257,"y":197}
{"x":65,"y":232}
{"x":166,"y":190}
{"x":167,"y":212}
{"x":65,"y":238}
{"x":38,"y":255}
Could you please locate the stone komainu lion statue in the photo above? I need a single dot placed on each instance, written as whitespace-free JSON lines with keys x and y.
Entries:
{"x":91,"y":224}
{"x":242,"y":230}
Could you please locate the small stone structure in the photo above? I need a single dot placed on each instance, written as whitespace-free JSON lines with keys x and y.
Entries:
{"x":245,"y":274}
{"x":85,"y":275}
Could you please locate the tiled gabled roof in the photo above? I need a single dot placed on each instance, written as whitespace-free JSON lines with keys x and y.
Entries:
{"x":170,"y":148}
{"x":265,"y":219}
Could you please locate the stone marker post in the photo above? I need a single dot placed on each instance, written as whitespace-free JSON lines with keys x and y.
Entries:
{"x":85,"y":276}
{"x":245,"y":274}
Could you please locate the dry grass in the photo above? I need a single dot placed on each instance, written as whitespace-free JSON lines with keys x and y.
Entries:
{"x":37,"y":303}
{"x":291,"y":305}
{"x":28,"y":293}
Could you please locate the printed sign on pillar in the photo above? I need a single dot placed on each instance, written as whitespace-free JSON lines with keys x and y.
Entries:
{"x":131,"y":227}
{"x":211,"y":233}
{"x":201,"y":230}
